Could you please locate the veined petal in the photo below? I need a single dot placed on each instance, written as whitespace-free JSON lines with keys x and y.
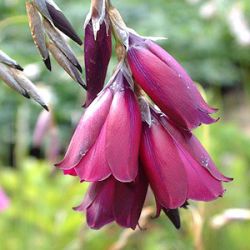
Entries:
{"x":166,"y":88}
{"x":129,"y":199}
{"x":163,"y":166}
{"x":97,"y":53}
{"x":192,"y":145}
{"x":94,"y":166}
{"x":187,"y":81}
{"x":100,"y":211}
{"x":202,"y":185}
{"x":123,"y":133}
{"x":88,"y":130}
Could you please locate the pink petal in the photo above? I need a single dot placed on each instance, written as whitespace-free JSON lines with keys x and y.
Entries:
{"x":123,"y":134}
{"x":163,"y":166}
{"x":100,"y":211}
{"x":192,"y":145}
{"x":129,"y":200}
{"x":174,"y":65}
{"x":167,"y":89}
{"x":87,"y":130}
{"x":44,"y":121}
{"x":202,"y":185}
{"x":93,"y":166}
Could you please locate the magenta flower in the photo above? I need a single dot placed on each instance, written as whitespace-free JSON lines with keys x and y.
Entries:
{"x":111,"y":200}
{"x":177,"y":166}
{"x":97,"y":50}
{"x":167,"y":83}
{"x":4,"y":201}
{"x":107,"y":138}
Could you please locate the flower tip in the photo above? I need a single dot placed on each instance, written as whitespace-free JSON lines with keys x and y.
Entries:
{"x":19,"y":67}
{"x":45,"y":107}
{"x":47,"y":63}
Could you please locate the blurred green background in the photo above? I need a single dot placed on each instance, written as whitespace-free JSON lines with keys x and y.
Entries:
{"x":212,"y":40}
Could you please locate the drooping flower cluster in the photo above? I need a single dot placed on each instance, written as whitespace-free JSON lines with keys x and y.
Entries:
{"x":137,"y":131}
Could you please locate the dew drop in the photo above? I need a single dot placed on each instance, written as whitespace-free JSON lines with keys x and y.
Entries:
{"x":204,"y":161}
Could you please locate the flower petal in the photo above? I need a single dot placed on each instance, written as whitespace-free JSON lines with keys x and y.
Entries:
{"x":202,"y":185}
{"x":174,"y":65}
{"x":88,"y":130}
{"x":123,"y":134}
{"x":163,"y":166}
{"x":167,"y":89}
{"x":100,"y":211}
{"x":93,"y":166}
{"x":129,"y":200}
{"x":192,"y":145}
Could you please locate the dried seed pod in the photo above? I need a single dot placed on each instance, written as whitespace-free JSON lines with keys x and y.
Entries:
{"x":29,"y":87}
{"x":4,"y":58}
{"x":52,"y":13}
{"x":59,"y":41}
{"x":65,"y":63}
{"x":38,"y":33}
{"x":7,"y":77}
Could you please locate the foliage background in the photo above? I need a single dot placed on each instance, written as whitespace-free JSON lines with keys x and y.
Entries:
{"x":216,"y":52}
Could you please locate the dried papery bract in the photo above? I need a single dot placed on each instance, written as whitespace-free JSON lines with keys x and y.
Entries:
{"x":45,"y":18}
{"x":11,"y":73}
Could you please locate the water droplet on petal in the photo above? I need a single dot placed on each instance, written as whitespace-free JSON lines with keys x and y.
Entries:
{"x":204,"y":161}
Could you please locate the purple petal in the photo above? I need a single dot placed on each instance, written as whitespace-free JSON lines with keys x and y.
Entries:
{"x":192,"y":145}
{"x":93,"y":166}
{"x":163,"y":166}
{"x":100,"y":211}
{"x":123,"y":134}
{"x":175,"y":66}
{"x":167,"y":89}
{"x":97,"y":53}
{"x":202,"y":185}
{"x":88,"y":130}
{"x":129,"y":200}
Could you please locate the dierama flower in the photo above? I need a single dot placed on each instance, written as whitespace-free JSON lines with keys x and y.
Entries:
{"x":177,"y":166}
{"x":111,"y":200}
{"x":97,"y":48}
{"x":167,"y":83}
{"x":106,"y":140}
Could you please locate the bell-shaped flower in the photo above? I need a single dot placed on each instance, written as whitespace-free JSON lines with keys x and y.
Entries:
{"x":106,"y":140}
{"x":167,"y":83}
{"x":174,"y":167}
{"x":97,"y":49}
{"x":111,"y":200}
